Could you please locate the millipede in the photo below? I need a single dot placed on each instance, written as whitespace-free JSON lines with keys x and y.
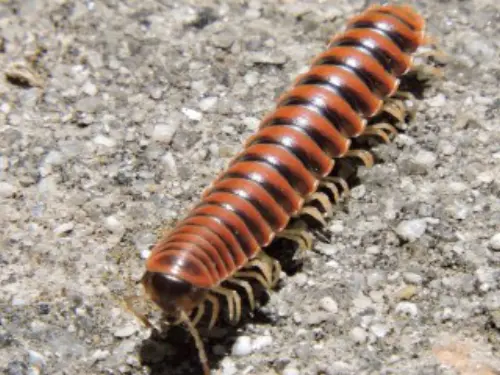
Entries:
{"x":291,"y":172}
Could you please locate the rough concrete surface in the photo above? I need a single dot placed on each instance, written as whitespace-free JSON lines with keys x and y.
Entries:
{"x":115,"y":114}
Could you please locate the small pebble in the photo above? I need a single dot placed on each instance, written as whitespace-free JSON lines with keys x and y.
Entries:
{"x":290,"y":371}
{"x":7,"y":190}
{"x":412,"y":278}
{"x":358,"y":335}
{"x":407,"y":308}
{"x":329,"y":305}
{"x":438,"y":101}
{"x":379,"y":330}
{"x":407,"y":292}
{"x":206,"y":104}
{"x":113,"y":224}
{"x":495,"y":242}
{"x":424,"y":160}
{"x":100,"y":355}
{"x":125,"y":331}
{"x":102,"y":140}
{"x":411,"y":230}
{"x":36,"y":359}
{"x":64,"y":229}
{"x":192,"y":114}
{"x":164,"y":132}
{"x":242,"y":346}
{"x":228,"y":367}
{"x":261,"y":342}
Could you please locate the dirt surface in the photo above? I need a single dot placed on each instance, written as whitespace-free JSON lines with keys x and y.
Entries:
{"x":115,"y":114}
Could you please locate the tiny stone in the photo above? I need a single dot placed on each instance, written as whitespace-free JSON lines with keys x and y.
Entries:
{"x":89,"y":88}
{"x":380,"y":330}
{"x":251,"y":123}
{"x":411,"y":230}
{"x":104,"y":141}
{"x":113,"y":224}
{"x":495,"y":242}
{"x":407,"y":292}
{"x":228,"y":367}
{"x":64,"y":229}
{"x":424,"y":160}
{"x":251,"y":78}
{"x":164,"y":133}
{"x":100,"y":355}
{"x":290,"y":371}
{"x":358,"y":335}
{"x":407,"y":308}
{"x":7,"y":190}
{"x":412,"y":278}
{"x":206,"y":104}
{"x":329,"y":305}
{"x":125,"y":331}
{"x":438,"y":101}
{"x":36,"y":359}
{"x":358,"y":192}
{"x":261,"y":342}
{"x":192,"y":114}
{"x":242,"y":346}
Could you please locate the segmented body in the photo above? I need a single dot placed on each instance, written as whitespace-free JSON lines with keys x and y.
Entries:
{"x":296,"y":147}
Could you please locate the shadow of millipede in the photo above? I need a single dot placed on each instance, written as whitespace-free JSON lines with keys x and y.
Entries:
{"x":173,"y":352}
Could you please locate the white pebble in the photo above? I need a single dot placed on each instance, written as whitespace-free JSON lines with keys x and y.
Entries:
{"x":125,"y":331}
{"x":89,"y":88}
{"x":64,"y":229}
{"x":291,"y":371}
{"x":207,"y":104}
{"x":102,"y":140}
{"x":329,"y":305}
{"x":438,"y":101}
{"x":412,"y":278}
{"x":379,"y":330}
{"x":164,"y":132}
{"x":411,"y":230}
{"x":251,"y":78}
{"x":495,"y":242}
{"x":7,"y":190}
{"x":228,"y":367}
{"x":358,"y":335}
{"x":100,"y":355}
{"x":407,"y":308}
{"x":242,"y":346}
{"x":192,"y":114}
{"x":261,"y":342}
{"x":113,"y":225}
{"x":36,"y":359}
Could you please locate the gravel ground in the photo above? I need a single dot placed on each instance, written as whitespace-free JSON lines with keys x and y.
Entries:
{"x":115,"y":114}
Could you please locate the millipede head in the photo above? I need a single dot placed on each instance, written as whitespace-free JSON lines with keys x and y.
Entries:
{"x":173,"y":296}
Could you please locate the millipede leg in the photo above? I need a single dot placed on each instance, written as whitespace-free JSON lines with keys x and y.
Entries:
{"x":301,"y":237}
{"x":383,"y":130}
{"x":341,"y":182}
{"x":200,"y":310}
{"x":426,"y":71}
{"x":332,"y":188}
{"x":255,"y":276}
{"x":274,"y":266}
{"x":365,"y":156}
{"x":262,"y":263}
{"x":215,"y":309}
{"x":276,"y":272}
{"x":396,"y":109}
{"x":323,"y":200}
{"x":315,"y":213}
{"x":248,"y":289}
{"x":232,"y":298}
